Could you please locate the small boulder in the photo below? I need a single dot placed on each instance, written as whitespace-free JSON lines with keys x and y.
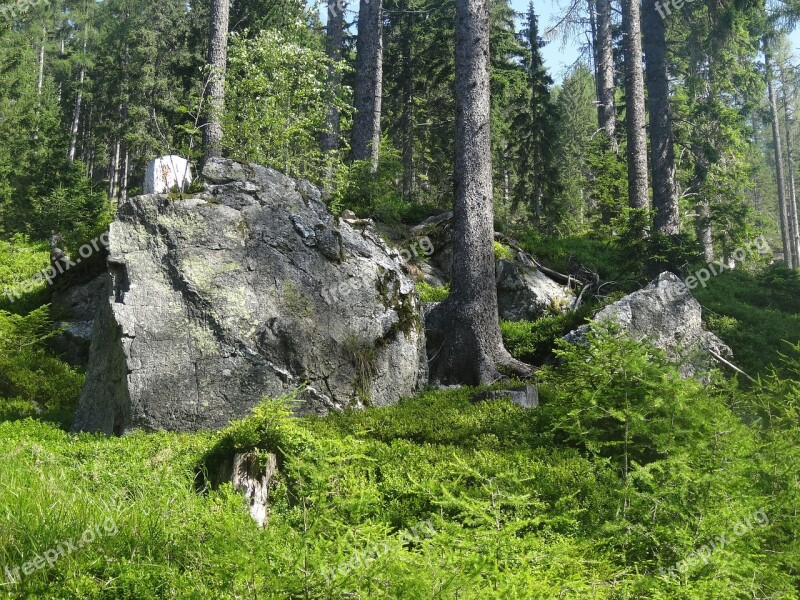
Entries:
{"x":526,"y":396}
{"x":665,"y":314}
{"x":524,"y":293}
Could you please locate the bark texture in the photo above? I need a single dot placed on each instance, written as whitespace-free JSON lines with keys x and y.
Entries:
{"x":334,"y":41}
{"x":606,"y":113}
{"x":791,"y":199}
{"x":218,"y":63}
{"x":783,"y":213}
{"x":473,"y":350}
{"x":634,"y":106}
{"x":368,"y":92}
{"x":662,"y":152}
{"x":76,"y":113}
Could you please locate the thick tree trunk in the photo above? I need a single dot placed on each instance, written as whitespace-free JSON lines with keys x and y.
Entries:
{"x":662,"y":151}
{"x":473,"y":349}
{"x":76,"y":113}
{"x":634,"y":106}
{"x":334,"y":42}
{"x":606,"y":113}
{"x":218,"y":64}
{"x":783,"y":213}
{"x":368,"y":92}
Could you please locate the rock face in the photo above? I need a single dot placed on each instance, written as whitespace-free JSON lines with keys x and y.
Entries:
{"x":524,"y":293}
{"x":249,"y":289}
{"x":667,"y":315}
{"x":78,"y":305}
{"x":166,"y":173}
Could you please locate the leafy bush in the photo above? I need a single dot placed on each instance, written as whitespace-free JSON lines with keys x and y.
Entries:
{"x":533,"y":342}
{"x":371,"y":194}
{"x":503,"y":252}
{"x":277,"y":103}
{"x":31,"y":381}
{"x":20,"y":261}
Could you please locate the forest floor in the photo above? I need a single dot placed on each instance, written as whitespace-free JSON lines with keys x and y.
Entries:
{"x":627,"y":482}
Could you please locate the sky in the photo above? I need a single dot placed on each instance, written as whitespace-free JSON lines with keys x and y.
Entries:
{"x":560,"y":54}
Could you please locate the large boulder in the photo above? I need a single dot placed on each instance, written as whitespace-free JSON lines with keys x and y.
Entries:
{"x":524,"y":292}
{"x":665,"y":314}
{"x":249,"y":289}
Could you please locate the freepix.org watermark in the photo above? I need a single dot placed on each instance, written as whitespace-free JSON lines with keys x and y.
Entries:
{"x":718,"y":542}
{"x":664,"y":9}
{"x":63,"y":549}
{"x":62,"y":265}
{"x":423,"y":530}
{"x":702,"y":276}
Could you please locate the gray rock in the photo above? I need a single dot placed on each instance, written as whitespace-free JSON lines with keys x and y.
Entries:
{"x":524,"y":293}
{"x":665,"y":314}
{"x":526,"y":396}
{"x":77,"y":307}
{"x":215,"y":303}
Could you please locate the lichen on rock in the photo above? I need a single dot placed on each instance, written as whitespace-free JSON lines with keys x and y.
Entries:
{"x":225,"y":297}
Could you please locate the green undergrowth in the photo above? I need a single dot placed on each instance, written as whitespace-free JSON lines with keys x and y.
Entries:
{"x":757,"y":313}
{"x":20,"y":261}
{"x":534,"y":342}
{"x":624,"y":470}
{"x":34,"y":382}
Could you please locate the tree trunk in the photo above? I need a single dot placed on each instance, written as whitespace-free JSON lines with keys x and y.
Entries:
{"x":792,"y":198}
{"x":606,"y":113}
{"x":473,"y":349}
{"x":113,"y":175}
{"x":366,"y":135}
{"x":40,"y":83}
{"x":76,"y":113}
{"x":334,"y":42}
{"x":123,"y":185}
{"x":705,"y":233}
{"x":662,"y":151}
{"x":634,"y":106}
{"x":788,"y":255}
{"x":407,"y":123}
{"x":218,"y":63}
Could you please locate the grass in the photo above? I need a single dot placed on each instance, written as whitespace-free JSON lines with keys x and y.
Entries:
{"x":756,"y":313}
{"x":624,"y":470}
{"x":510,"y":505}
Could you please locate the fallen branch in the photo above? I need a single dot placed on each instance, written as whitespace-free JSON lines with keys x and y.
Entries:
{"x":576,"y":305}
{"x":566,"y":279}
{"x":729,"y":364}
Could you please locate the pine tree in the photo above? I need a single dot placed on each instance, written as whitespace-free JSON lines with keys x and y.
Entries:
{"x":473,"y":349}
